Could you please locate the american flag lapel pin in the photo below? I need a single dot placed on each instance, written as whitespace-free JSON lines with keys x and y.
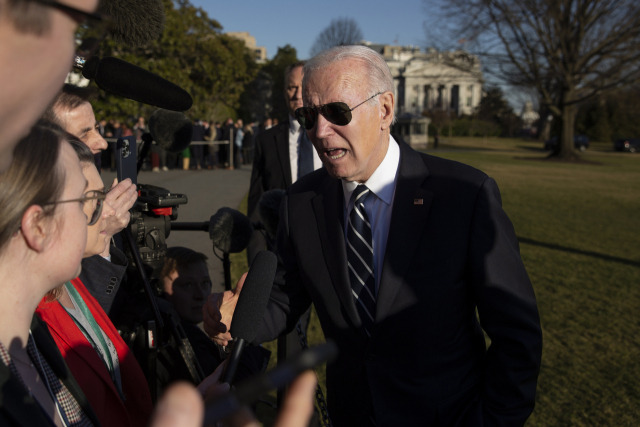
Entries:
{"x":418,"y":201}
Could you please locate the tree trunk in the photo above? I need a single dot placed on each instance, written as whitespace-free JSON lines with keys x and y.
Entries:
{"x":565,"y":149}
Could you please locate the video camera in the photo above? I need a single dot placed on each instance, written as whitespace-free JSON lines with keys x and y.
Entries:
{"x":150,"y":222}
{"x":147,"y":323}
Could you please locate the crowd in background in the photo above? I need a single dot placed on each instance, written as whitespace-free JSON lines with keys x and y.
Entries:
{"x":208,"y":149}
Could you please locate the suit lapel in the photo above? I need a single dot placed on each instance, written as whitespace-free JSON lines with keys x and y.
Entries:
{"x":282,"y":148}
{"x":408,"y":218}
{"x":329,"y":210}
{"x":47,"y":347}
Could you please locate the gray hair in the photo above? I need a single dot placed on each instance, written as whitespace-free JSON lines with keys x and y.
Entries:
{"x":379,"y":78}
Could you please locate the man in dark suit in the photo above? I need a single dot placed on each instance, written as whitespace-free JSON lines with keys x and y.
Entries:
{"x":407,"y":259}
{"x":276,"y":155}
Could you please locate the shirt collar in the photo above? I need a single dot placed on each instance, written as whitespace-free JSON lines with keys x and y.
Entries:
{"x":294,"y":126}
{"x":382,"y":182}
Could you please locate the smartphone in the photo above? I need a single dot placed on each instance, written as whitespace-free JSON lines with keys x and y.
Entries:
{"x":127,"y":159}
{"x":251,"y":389}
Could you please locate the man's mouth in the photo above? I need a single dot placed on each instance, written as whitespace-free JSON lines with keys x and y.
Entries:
{"x":336,"y":153}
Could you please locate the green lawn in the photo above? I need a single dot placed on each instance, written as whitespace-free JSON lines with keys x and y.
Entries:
{"x":578,"y":228}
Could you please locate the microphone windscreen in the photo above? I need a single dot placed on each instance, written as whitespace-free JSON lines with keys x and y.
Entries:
{"x":269,"y":210}
{"x":230,"y":230}
{"x":130,"y":81}
{"x":171,"y":130}
{"x":135,"y":23}
{"x":254,"y":296}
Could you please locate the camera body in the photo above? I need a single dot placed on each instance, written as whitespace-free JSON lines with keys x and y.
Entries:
{"x":151,"y":220}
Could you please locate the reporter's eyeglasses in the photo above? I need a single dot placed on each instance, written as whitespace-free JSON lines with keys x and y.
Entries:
{"x":93,"y":27}
{"x":96,"y":195}
{"x":337,"y":113}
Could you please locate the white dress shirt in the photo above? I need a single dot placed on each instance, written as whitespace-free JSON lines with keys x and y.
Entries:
{"x":295,"y":133}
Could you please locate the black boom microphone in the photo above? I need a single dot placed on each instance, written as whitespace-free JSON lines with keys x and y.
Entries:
{"x":130,"y":81}
{"x":135,"y":23}
{"x":250,"y":308}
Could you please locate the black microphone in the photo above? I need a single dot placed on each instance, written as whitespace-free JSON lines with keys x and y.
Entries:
{"x":250,"y":390}
{"x":269,"y":210}
{"x":250,"y":308}
{"x":230,"y":230}
{"x":171,"y":130}
{"x":130,"y":81}
{"x":135,"y":23}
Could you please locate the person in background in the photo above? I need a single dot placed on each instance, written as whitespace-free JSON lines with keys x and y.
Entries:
{"x":282,"y":155}
{"x":237,"y":146}
{"x":102,"y":273}
{"x":197,"y":136}
{"x":227,"y":133}
{"x":247,"y":145}
{"x":99,"y":359}
{"x":185,"y":283}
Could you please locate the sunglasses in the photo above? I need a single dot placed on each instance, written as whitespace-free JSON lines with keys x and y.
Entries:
{"x":337,"y":113}
{"x":96,"y":195}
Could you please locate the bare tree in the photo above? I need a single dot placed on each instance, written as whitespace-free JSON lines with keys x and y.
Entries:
{"x":340,"y":32}
{"x":568,"y":50}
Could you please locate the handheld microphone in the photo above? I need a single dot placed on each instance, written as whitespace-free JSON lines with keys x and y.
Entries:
{"x":171,"y":130}
{"x":250,"y":308}
{"x":250,"y":390}
{"x":230,"y":230}
{"x":130,"y":81}
{"x":135,"y":23}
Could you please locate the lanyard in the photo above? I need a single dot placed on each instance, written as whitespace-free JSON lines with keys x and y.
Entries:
{"x":82,"y":306}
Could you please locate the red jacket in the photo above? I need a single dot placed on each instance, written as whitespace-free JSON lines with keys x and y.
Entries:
{"x":89,"y":370}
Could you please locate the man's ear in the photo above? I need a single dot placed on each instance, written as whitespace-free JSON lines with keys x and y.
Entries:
{"x":34,"y":227}
{"x":387,"y":102}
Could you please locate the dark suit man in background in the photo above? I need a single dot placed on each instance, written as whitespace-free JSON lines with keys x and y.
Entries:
{"x":282,"y":154}
{"x":397,"y":274}
{"x":276,"y":155}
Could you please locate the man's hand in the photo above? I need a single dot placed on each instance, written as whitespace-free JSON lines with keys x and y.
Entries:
{"x":218,"y":312}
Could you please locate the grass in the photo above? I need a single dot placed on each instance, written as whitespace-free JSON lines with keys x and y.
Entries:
{"x":578,"y":230}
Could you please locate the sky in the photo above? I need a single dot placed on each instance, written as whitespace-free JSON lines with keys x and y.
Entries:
{"x":276,"y":23}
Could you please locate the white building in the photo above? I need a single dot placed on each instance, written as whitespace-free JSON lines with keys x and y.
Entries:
{"x":433,"y":80}
{"x":259,"y":52}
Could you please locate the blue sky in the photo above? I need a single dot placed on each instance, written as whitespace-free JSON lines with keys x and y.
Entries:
{"x":275,"y":23}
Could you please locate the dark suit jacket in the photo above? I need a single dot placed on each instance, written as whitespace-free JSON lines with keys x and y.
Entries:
{"x":451,"y":250}
{"x":271,"y":170}
{"x":17,"y":408}
{"x":271,"y":164}
{"x":103,"y":278}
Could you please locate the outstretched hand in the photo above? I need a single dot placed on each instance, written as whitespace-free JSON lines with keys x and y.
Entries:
{"x":218,"y":313}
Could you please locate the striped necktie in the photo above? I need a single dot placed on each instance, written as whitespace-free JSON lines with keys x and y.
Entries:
{"x":360,"y":259}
